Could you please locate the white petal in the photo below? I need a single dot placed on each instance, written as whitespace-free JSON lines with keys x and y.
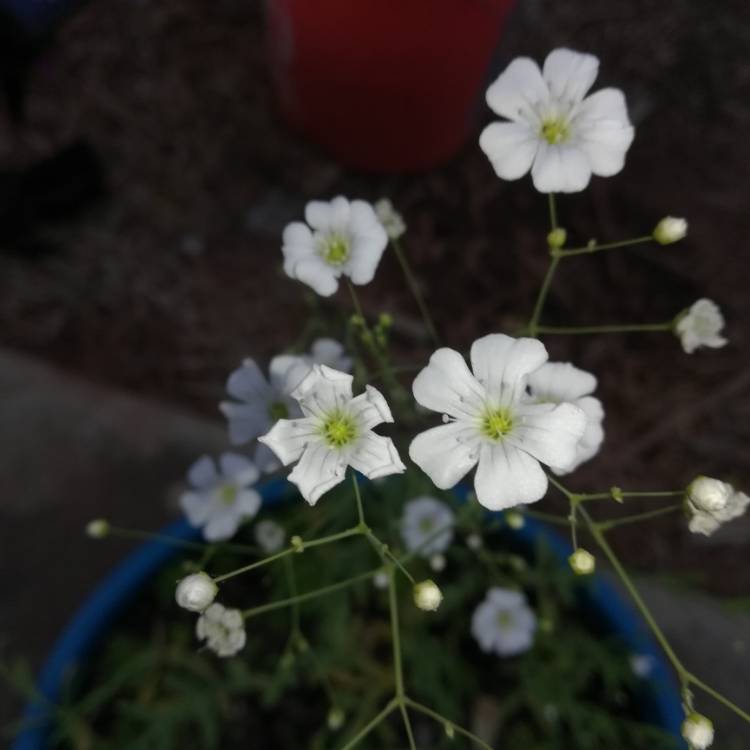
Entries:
{"x":560,"y":381}
{"x":340,"y":212}
{"x":297,"y":242}
{"x":318,"y":471}
{"x":507,"y":476}
{"x":506,"y":598}
{"x":316,"y":273}
{"x":246,"y":421}
{"x":247,"y":383}
{"x":445,"y":453}
{"x":569,"y":74}
{"x":288,"y":438}
{"x":196,"y":506}
{"x":370,"y":408}
{"x":376,"y":456}
{"x":202,"y":473}
{"x":318,"y":215}
{"x":265,"y":459}
{"x":222,"y":525}
{"x":550,"y":433}
{"x":560,"y":168}
{"x":447,"y":386}
{"x":286,"y":372}
{"x":248,"y":503}
{"x":518,"y":88}
{"x":605,"y":146}
{"x":331,"y":353}
{"x":369,"y":241}
{"x":242,"y":471}
{"x":323,"y":390}
{"x":510,"y":147}
{"x":502,"y":363}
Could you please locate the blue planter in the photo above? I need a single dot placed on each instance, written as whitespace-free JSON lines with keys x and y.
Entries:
{"x":660,"y":699}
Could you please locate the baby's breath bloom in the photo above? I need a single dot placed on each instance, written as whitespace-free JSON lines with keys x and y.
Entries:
{"x":438,"y":562}
{"x":220,"y":500}
{"x":670,"y":229}
{"x":423,"y":517}
{"x":582,"y":562}
{"x":195,"y":592}
{"x":339,"y":238}
{"x":335,"y":431}
{"x":492,"y":424}
{"x":380,"y":580}
{"x":701,"y":325}
{"x":269,"y":536}
{"x":562,"y":382}
{"x":223,"y":630}
{"x":504,"y":623}
{"x":392,"y":221}
{"x":427,"y":595}
{"x":710,"y":503}
{"x":552,"y":128}
{"x":98,"y":528}
{"x":698,"y":731}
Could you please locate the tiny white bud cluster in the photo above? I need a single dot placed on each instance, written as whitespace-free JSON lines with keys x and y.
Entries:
{"x":427,"y":595}
{"x":710,"y":503}
{"x":97,"y":529}
{"x":223,"y":630}
{"x":582,"y":562}
{"x":196,"y":592}
{"x":670,"y":229}
{"x":698,"y":731}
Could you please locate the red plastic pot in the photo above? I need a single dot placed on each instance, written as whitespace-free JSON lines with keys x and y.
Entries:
{"x":386,"y":85}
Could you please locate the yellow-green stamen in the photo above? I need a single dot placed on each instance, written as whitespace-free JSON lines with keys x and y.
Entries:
{"x":339,"y":430}
{"x":335,"y":250}
{"x":496,"y":424}
{"x":228,"y":494}
{"x":278,"y":410}
{"x":504,"y":620}
{"x":555,"y":131}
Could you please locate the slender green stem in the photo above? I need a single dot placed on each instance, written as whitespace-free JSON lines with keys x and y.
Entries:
{"x":534,"y":328}
{"x":385,"y":555}
{"x":552,"y":211}
{"x":292,"y":583}
{"x":414,"y":287}
{"x":407,"y":725}
{"x":637,"y":518}
{"x":548,"y":517}
{"x":358,"y":497}
{"x":441,"y":719}
{"x":718,"y":696}
{"x":594,"y":248}
{"x":367,"y":728}
{"x":395,"y":635}
{"x":137,"y":534}
{"x":627,"y":328}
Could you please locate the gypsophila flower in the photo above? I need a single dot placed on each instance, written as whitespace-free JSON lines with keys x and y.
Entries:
{"x":195,"y":592}
{"x":269,"y":536}
{"x":220,"y":500}
{"x":492,"y":424}
{"x":427,"y":595}
{"x":551,"y":129}
{"x":423,"y":518}
{"x":562,"y":382}
{"x":582,"y":562}
{"x":340,"y":238}
{"x":701,"y":325}
{"x":328,"y":352}
{"x":392,"y":221}
{"x":698,"y":731}
{"x":336,"y":431}
{"x":438,"y":562}
{"x":670,"y":229}
{"x":98,"y":528}
{"x":223,"y":630}
{"x":710,"y":503}
{"x":380,"y":580}
{"x":642,"y":665}
{"x":504,"y":623}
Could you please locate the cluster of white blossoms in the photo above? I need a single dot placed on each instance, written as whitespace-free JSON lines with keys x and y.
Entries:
{"x":552,"y":128}
{"x":710,"y":503}
{"x":504,"y":623}
{"x":701,"y":325}
{"x":222,"y":629}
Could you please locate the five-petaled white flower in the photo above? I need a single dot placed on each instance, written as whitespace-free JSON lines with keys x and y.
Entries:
{"x":559,"y":382}
{"x":504,"y":623}
{"x":392,"y":221}
{"x":340,"y":238}
{"x":492,"y":424}
{"x":562,"y":137}
{"x":710,"y":503}
{"x":701,"y":325}
{"x":219,"y":501}
{"x":269,"y":536}
{"x":423,"y":518}
{"x":335,"y":432}
{"x":223,"y":630}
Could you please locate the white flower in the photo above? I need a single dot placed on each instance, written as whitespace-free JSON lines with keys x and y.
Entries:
{"x":392,"y":221}
{"x":698,"y":731}
{"x":562,"y":382}
{"x":328,"y":352}
{"x":492,"y":424}
{"x":219,"y":501}
{"x":195,"y":592}
{"x":504,"y":623}
{"x":269,"y":536}
{"x":711,"y":502}
{"x":380,"y":580}
{"x":335,"y":432}
{"x":438,"y":562}
{"x":223,"y":630}
{"x":701,"y":326}
{"x":642,"y":665}
{"x":427,"y":595}
{"x":98,"y":528}
{"x":423,"y":517}
{"x":582,"y":562}
{"x":670,"y":229}
{"x":562,"y":137}
{"x":340,"y":237}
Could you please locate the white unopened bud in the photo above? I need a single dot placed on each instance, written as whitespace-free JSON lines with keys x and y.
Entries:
{"x":97,"y":529}
{"x":515,"y":519}
{"x":335,"y":718}
{"x":196,"y":592}
{"x":711,"y":495}
{"x":427,"y":595}
{"x":582,"y":562}
{"x":437,"y":562}
{"x":474,"y":542}
{"x":670,"y":229}
{"x":380,"y":580}
{"x":698,"y":731}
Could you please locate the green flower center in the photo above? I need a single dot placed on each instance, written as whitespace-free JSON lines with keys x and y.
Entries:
{"x":426,"y":525}
{"x":339,"y":430}
{"x":496,"y":424}
{"x":555,"y":131}
{"x":278,"y":410}
{"x":335,"y":250}
{"x":504,"y":620}
{"x":228,"y":494}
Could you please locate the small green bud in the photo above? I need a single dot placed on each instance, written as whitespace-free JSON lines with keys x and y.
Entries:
{"x":616,"y":493}
{"x":297,"y":544}
{"x":97,"y":529}
{"x":556,"y":238}
{"x":669,"y":230}
{"x":385,"y":320}
{"x":335,"y":718}
{"x":450,"y":730}
{"x":357,"y":320}
{"x":582,"y":562}
{"x":515,"y":520}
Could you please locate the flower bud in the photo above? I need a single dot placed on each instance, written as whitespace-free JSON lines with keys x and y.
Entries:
{"x":427,"y":595}
{"x":669,"y":230}
{"x":515,"y":520}
{"x":97,"y":529}
{"x":335,"y":719}
{"x":297,"y":543}
{"x":437,"y":562}
{"x":474,"y":542}
{"x":705,"y":493}
{"x":582,"y":562}
{"x":698,"y":731}
{"x":196,"y":592}
{"x":556,"y":238}
{"x":380,"y":580}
